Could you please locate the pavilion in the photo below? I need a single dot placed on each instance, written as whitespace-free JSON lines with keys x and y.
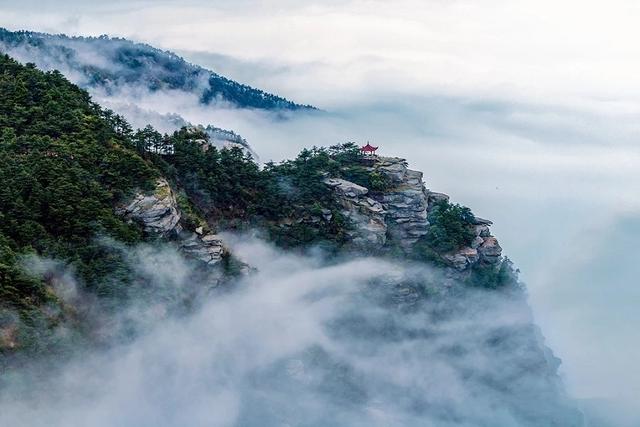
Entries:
{"x":368,"y":150}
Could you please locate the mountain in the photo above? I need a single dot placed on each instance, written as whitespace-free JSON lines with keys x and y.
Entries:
{"x":133,"y":292}
{"x":144,"y":84}
{"x":113,"y":65}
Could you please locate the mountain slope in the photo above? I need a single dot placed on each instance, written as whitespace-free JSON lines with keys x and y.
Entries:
{"x":114,"y":64}
{"x":375,"y":302}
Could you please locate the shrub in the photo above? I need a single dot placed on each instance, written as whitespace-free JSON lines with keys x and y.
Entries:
{"x":450,"y":227}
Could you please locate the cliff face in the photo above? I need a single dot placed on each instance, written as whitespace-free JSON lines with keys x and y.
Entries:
{"x":398,"y":215}
{"x":158,"y":213}
{"x":518,"y":366}
{"x":367,"y":214}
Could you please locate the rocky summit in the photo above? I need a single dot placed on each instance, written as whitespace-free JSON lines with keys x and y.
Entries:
{"x":398,"y":215}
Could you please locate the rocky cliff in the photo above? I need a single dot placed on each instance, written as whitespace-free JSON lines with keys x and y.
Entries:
{"x":398,"y":215}
{"x":158,"y":213}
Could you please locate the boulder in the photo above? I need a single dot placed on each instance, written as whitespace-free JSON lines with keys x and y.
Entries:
{"x":395,"y":169}
{"x":462,"y":258}
{"x":366,"y":214}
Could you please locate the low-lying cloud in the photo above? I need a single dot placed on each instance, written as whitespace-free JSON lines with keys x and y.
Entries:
{"x":305,"y":342}
{"x":526,"y":111}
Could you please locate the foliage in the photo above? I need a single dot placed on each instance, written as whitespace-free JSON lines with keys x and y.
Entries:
{"x":449,"y":230}
{"x":64,"y":163}
{"x":228,"y":186}
{"x":490,"y":277}
{"x":450,"y":227}
{"x":138,"y":64}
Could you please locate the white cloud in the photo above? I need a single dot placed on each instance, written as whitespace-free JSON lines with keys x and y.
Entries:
{"x":525,"y":110}
{"x":572,"y":51}
{"x":301,"y":342}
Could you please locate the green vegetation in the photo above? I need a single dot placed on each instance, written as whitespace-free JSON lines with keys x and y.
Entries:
{"x":450,"y":229}
{"x":65,"y":163}
{"x":504,"y":277}
{"x":139,"y":64}
{"x":63,"y":166}
{"x":450,"y":226}
{"x":229,"y":187}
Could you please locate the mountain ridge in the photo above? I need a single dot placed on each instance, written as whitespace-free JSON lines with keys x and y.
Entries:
{"x":110,"y":62}
{"x":86,"y":200}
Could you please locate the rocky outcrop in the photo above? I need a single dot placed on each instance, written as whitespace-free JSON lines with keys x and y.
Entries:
{"x":406,"y":201}
{"x":157,"y":211}
{"x":398,"y":215}
{"x":207,"y":249}
{"x":490,"y":251}
{"x":367,"y":214}
{"x":160,"y":216}
{"x":462,"y":258}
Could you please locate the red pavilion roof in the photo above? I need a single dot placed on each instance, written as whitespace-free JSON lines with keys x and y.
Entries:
{"x":368,"y":148}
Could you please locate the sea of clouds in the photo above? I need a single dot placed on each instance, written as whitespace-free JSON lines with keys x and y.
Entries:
{"x":521,"y":110}
{"x":302,"y":341}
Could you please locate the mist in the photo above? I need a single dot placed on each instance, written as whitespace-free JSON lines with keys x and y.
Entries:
{"x":303,"y":341}
{"x":525,"y":111}
{"x":559,"y":183}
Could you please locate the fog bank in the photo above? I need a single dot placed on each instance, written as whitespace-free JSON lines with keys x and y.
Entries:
{"x":305,"y":342}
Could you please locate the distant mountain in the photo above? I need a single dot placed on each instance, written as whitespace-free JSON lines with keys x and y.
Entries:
{"x":113,"y":64}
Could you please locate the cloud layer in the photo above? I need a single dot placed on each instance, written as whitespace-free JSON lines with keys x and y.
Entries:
{"x":303,"y":342}
{"x":525,"y":110}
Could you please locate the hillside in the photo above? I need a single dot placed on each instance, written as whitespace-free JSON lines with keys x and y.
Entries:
{"x":115,"y":64}
{"x":125,"y":251}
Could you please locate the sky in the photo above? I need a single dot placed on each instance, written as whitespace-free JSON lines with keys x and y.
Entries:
{"x":525,"y":110}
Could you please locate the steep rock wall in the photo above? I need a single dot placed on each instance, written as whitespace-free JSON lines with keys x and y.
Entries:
{"x":160,"y":216}
{"x":398,"y":215}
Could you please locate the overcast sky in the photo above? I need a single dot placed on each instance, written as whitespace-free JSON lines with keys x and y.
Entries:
{"x":569,"y":51}
{"x":526,"y":110}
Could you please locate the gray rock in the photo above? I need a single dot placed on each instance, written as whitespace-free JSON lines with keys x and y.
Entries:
{"x":395,"y":169}
{"x":490,"y":250}
{"x":208,"y":249}
{"x":481,"y":221}
{"x":366,"y":214}
{"x":434,"y":198}
{"x":477,"y":242}
{"x":157,"y":211}
{"x":463,"y":258}
{"x":346,"y":188}
{"x":159,"y":214}
{"x":400,"y":213}
{"x":405,"y":202}
{"x":482,"y":231}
